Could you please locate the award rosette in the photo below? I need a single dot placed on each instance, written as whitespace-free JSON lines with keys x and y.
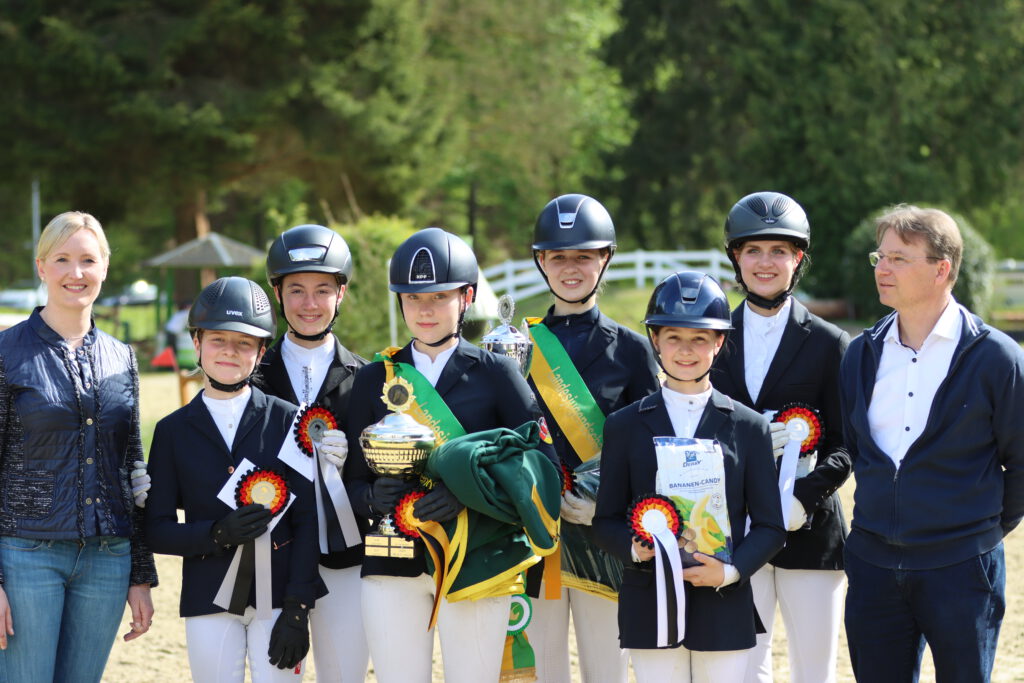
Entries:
{"x":518,"y":663}
{"x":251,"y":561}
{"x":264,"y":487}
{"x":799,"y":455}
{"x":310,"y":426}
{"x":406,"y":522}
{"x":803,"y":422}
{"x":655,"y":520}
{"x":568,"y":478}
{"x":336,"y":523}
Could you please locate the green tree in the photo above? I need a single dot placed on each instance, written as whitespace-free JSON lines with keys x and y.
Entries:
{"x":532,"y":110}
{"x":148,"y":108}
{"x":845,"y":106}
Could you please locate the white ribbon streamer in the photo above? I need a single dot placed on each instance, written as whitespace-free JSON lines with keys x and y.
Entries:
{"x":264,"y":584}
{"x":339,"y":502}
{"x":798,"y":430}
{"x":656,"y":525}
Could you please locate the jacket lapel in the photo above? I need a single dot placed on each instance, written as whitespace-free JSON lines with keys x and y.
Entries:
{"x":654,"y":415}
{"x":793,"y":337}
{"x":201,"y":419}
{"x":342,"y":367}
{"x":275,"y":374}
{"x":252,"y":415}
{"x":715,"y":414}
{"x":466,"y":355}
{"x":601,"y":336}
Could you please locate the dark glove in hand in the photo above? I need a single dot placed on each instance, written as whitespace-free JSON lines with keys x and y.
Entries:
{"x":241,"y":525}
{"x":439,"y":505}
{"x":386,"y":493}
{"x":289,"y":639}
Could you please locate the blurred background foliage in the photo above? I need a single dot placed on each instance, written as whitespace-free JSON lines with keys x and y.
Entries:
{"x":381,"y":116}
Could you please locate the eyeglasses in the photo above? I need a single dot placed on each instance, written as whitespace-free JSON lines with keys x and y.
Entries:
{"x":897,"y":260}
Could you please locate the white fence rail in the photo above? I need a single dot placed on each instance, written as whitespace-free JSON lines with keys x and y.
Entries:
{"x":522,"y":280}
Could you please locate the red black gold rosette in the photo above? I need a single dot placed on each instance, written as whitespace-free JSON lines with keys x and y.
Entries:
{"x":802,"y":420}
{"x":263,"y":486}
{"x":645,"y":509}
{"x":313,"y":421}
{"x":405,"y":520}
{"x":655,"y":520}
{"x":568,"y":479}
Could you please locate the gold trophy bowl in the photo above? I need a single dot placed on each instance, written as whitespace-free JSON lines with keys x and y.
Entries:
{"x":397,"y":446}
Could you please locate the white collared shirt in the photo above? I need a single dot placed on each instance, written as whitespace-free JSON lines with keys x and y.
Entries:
{"x":907,"y":380}
{"x":761,"y":337}
{"x":226,"y":412}
{"x":431,"y":369}
{"x":307,"y":368}
{"x":684,"y":410}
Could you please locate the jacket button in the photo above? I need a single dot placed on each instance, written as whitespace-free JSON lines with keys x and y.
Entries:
{"x":88,"y":461}
{"x":88,"y":421}
{"x":88,"y":501}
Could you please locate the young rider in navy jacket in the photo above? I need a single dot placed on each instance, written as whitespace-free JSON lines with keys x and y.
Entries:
{"x":195,"y":451}
{"x":780,"y":354}
{"x":309,"y":267}
{"x":434,"y":273}
{"x":573,"y":243}
{"x":687,"y":320}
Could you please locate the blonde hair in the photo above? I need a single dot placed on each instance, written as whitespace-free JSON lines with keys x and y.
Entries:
{"x":934,"y":229}
{"x":63,"y":226}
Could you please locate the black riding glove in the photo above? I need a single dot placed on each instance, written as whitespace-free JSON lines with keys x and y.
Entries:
{"x":387,"y":491}
{"x":289,"y":639}
{"x":439,"y":505}
{"x":241,"y":525}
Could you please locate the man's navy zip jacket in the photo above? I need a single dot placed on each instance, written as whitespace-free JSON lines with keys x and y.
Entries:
{"x":960,"y":487}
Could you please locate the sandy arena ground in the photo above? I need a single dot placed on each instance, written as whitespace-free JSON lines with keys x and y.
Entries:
{"x":160,"y":655}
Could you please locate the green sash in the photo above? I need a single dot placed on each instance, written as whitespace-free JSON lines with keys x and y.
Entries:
{"x":564,"y":392}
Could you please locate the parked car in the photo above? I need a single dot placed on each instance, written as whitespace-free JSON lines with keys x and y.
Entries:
{"x":23,"y":298}
{"x":137,"y":293}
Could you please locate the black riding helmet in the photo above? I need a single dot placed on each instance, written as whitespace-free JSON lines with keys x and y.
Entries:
{"x":433,"y":260}
{"x":688,"y":299}
{"x":233,"y":304}
{"x":767,"y":216}
{"x":309,"y":249}
{"x":573,"y":221}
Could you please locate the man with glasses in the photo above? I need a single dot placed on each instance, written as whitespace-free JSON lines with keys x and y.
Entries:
{"x":933,"y":405}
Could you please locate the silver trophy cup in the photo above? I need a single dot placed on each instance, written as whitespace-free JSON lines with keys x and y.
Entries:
{"x":506,"y":340}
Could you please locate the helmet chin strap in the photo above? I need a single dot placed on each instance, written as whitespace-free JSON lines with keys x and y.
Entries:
{"x":221,"y":386}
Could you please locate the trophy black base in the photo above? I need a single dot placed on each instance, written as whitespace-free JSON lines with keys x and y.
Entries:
{"x":381,"y":545}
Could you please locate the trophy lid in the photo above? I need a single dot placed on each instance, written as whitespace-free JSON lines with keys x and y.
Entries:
{"x":505,"y":333}
{"x":398,"y":428}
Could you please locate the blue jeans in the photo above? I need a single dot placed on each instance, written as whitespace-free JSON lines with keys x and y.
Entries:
{"x":891,"y":613}
{"x":66,"y":601}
